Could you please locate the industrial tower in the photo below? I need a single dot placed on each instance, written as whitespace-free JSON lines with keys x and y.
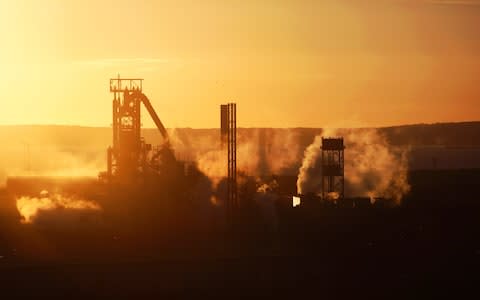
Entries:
{"x":130,"y":157}
{"x":228,"y":135}
{"x":333,"y":183}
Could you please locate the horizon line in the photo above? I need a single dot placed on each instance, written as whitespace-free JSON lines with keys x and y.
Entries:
{"x":248,"y":127}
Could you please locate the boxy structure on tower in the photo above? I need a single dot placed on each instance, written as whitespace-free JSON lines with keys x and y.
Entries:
{"x":333,"y":183}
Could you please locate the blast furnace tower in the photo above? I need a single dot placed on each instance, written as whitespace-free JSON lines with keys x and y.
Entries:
{"x":130,"y":158}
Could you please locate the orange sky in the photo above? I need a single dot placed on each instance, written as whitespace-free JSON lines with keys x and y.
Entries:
{"x":286,"y":63}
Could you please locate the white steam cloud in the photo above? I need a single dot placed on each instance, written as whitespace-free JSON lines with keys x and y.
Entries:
{"x":30,"y":207}
{"x":309,"y":176}
{"x":373,"y":168}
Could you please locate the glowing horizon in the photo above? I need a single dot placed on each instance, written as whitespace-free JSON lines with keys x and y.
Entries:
{"x":286,"y":63}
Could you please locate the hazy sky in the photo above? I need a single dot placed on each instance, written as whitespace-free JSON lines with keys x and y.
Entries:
{"x":285,"y":63}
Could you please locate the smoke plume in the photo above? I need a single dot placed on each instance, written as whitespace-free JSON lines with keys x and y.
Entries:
{"x":260,"y":152}
{"x":373,"y":168}
{"x":309,"y":176}
{"x":30,"y":207}
{"x":51,"y":161}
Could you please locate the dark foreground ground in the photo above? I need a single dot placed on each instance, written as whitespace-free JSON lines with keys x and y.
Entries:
{"x":428,"y":247}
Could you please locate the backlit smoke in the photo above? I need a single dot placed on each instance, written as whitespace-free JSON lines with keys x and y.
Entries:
{"x":49,"y":160}
{"x":284,"y":151}
{"x":30,"y":207}
{"x":213,"y":164}
{"x":309,"y":177}
{"x":212,"y":159}
{"x":373,"y":168}
{"x":260,"y":152}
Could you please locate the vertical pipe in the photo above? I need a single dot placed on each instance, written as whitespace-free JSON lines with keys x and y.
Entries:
{"x":229,"y":162}
{"x":115,"y":121}
{"x":235,"y":154}
{"x":137,"y":121}
{"x":109,"y":162}
{"x":323,"y":172}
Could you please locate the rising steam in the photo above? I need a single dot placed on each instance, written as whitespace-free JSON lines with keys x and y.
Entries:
{"x":309,"y":176}
{"x":259,"y":152}
{"x":373,"y":168}
{"x":30,"y":207}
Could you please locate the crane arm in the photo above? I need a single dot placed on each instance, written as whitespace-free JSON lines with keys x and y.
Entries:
{"x":167,"y":153}
{"x":154,"y":116}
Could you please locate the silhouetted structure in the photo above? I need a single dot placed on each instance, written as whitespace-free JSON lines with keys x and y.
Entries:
{"x":130,"y":157}
{"x":224,"y":124}
{"x":333,"y":168}
{"x":228,"y":133}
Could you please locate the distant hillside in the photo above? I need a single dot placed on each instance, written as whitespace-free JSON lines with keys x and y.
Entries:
{"x":448,"y":134}
{"x":465,"y":134}
{"x":82,"y":150}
